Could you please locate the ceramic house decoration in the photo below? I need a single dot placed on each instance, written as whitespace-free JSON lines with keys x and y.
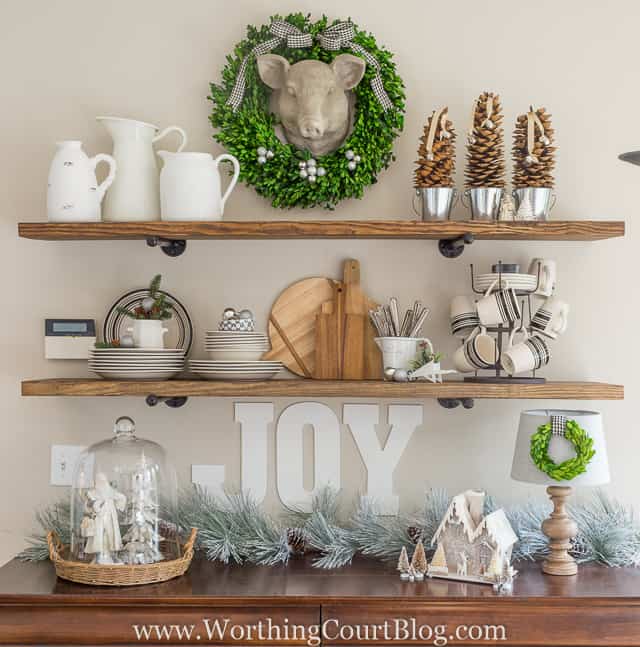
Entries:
{"x":469,"y":545}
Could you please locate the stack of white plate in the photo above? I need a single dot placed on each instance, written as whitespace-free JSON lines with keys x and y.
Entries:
{"x":239,"y":370}
{"x":136,"y":363}
{"x":228,"y":345}
{"x":524,"y":282}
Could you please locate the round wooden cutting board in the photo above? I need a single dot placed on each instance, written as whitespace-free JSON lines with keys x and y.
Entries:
{"x":292,"y":324}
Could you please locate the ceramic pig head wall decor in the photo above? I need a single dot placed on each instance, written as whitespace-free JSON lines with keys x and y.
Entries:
{"x":313,"y":99}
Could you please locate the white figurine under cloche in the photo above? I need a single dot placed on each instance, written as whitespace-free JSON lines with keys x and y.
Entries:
{"x":120,"y":488}
{"x":73,"y":192}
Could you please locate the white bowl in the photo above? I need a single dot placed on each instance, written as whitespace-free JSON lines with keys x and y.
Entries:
{"x":243,"y":355}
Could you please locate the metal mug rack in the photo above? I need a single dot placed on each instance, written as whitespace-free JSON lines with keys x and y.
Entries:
{"x":499,"y":376}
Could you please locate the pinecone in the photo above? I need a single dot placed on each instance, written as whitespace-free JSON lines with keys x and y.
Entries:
{"x":437,"y":165}
{"x":415,"y":534}
{"x":485,"y":145}
{"x":533,"y":168}
{"x":296,"y":540}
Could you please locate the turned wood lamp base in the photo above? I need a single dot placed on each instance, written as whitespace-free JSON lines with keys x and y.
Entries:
{"x":560,"y":529}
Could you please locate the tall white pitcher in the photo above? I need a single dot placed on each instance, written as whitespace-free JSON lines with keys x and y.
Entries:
{"x":134,"y":195}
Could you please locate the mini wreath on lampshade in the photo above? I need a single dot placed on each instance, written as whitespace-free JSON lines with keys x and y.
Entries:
{"x":578,"y":437}
{"x":292,"y":176}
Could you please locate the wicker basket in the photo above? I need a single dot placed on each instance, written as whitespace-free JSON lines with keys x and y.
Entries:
{"x":118,"y":574}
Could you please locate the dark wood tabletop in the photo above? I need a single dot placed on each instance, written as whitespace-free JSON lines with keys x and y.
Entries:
{"x":599,"y":606}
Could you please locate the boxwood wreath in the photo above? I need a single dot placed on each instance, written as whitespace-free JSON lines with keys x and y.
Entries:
{"x":569,"y":469}
{"x":276,"y":169}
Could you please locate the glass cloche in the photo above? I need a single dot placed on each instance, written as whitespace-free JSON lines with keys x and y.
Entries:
{"x":121,"y":487}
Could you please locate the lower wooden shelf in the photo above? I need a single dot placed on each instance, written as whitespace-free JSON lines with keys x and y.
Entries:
{"x":322,"y":388}
{"x":599,"y":607}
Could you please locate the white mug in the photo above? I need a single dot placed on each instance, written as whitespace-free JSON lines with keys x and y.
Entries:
{"x":499,"y":307}
{"x":548,"y":275}
{"x":529,"y":355}
{"x":479,"y":351}
{"x":464,"y":316}
{"x":148,"y":333}
{"x":551,"y":318}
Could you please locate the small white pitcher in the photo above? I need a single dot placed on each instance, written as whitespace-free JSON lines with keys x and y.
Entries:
{"x":148,"y":333}
{"x":73,"y":193}
{"x":190,"y":186}
{"x":400,"y":352}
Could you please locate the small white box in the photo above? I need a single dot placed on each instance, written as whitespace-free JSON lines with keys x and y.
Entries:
{"x":69,"y":338}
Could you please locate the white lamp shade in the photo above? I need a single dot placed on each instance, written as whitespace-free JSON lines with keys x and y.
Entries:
{"x":560,"y":449}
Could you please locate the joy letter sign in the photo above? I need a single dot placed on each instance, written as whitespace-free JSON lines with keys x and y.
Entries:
{"x":361,"y":419}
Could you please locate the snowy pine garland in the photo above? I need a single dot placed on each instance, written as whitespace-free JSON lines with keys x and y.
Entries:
{"x":236,"y":529}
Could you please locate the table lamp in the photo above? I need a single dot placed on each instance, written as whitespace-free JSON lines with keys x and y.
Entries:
{"x":564,"y":435}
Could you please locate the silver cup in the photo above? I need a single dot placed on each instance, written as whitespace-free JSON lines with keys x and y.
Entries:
{"x":437,"y":202}
{"x":484,"y":203}
{"x":542,"y":200}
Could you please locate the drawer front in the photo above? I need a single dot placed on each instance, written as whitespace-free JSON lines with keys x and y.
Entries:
{"x":527,"y":622}
{"x":155,"y":625}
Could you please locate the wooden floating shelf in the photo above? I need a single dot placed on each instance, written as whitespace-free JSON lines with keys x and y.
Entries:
{"x":339,"y":229}
{"x":322,"y":389}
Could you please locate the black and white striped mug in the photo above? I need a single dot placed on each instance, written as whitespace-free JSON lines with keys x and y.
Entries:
{"x":464,"y":317}
{"x":551,"y":318}
{"x":530,"y":354}
{"x":499,"y":307}
{"x":479,"y":351}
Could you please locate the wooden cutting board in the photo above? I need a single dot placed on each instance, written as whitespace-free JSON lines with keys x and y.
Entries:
{"x":292,"y":324}
{"x":320,"y":312}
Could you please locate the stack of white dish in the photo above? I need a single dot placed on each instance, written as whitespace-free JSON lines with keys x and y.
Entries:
{"x":228,"y":345}
{"x":524,"y":282}
{"x":235,"y":355}
{"x":137,"y":363}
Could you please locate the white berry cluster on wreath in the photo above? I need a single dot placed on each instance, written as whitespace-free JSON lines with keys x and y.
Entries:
{"x":310,"y":170}
{"x":263,"y":154}
{"x":354,"y":160}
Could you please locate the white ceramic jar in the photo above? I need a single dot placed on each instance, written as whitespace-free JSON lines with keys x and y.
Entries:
{"x":190,"y":186}
{"x":73,"y":194}
{"x":148,"y":333}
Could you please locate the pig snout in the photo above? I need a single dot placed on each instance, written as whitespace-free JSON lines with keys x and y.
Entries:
{"x":311,"y":128}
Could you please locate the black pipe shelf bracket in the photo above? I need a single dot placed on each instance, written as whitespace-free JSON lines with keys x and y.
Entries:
{"x":452,"y":403}
{"x":170,"y":247}
{"x":453,"y":247}
{"x":172,"y":402}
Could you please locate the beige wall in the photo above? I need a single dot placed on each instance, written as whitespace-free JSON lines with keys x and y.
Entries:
{"x":63,"y":63}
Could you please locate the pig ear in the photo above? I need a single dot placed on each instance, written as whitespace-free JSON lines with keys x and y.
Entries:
{"x":273,"y":70}
{"x":349,"y":70}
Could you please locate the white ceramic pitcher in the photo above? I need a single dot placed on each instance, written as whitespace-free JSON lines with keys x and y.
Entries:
{"x":73,"y":193}
{"x":190,"y":186}
{"x":134,"y":195}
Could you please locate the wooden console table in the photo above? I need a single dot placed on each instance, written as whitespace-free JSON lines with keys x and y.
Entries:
{"x":601,"y":606}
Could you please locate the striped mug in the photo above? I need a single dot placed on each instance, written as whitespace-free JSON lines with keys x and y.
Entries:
{"x":479,"y":351}
{"x":529,"y":355}
{"x":499,"y":307}
{"x":551,"y":318}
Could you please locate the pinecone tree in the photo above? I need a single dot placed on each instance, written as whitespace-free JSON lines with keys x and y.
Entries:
{"x":485,"y":145}
{"x":436,"y":154}
{"x":419,"y":559}
{"x":533,"y":150}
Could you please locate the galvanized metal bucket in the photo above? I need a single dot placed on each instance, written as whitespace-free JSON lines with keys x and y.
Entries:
{"x":436,"y":201}
{"x":542,"y":200}
{"x":484,"y":203}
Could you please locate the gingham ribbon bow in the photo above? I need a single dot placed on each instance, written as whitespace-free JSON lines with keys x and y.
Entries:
{"x":558,"y":424}
{"x":334,"y":38}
